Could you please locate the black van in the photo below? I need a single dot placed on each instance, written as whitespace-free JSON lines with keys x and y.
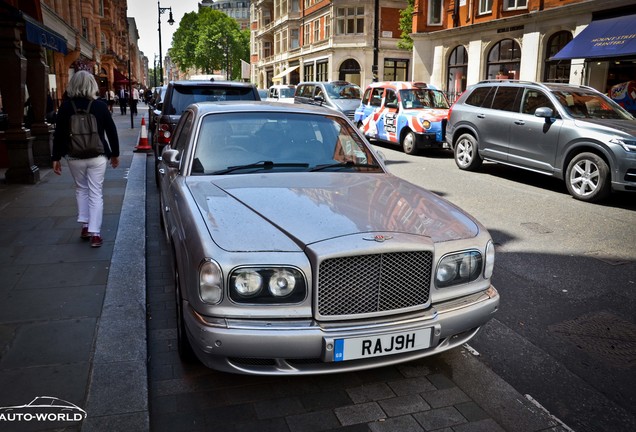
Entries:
{"x":339,"y":95}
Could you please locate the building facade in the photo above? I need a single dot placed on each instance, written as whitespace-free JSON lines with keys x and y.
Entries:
{"x":461,"y":42}
{"x":237,"y":9}
{"x":326,"y":40}
{"x":42,"y":43}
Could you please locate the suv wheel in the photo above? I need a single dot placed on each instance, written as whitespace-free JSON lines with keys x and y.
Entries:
{"x":408,"y":143}
{"x":587,"y":177}
{"x":466,"y":154}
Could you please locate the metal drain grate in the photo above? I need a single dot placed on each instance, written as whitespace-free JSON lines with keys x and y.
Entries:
{"x":602,"y":335}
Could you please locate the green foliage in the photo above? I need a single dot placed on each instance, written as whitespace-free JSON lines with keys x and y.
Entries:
{"x":406,"y":25}
{"x":210,"y":41}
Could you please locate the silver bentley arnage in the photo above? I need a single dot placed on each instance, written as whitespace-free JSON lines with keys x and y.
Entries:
{"x":296,"y":252}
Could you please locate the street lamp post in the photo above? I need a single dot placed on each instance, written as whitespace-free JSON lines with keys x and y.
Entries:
{"x":154,"y":72}
{"x":170,"y":21}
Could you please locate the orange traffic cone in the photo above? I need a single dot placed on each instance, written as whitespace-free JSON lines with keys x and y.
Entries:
{"x":143,"y":145}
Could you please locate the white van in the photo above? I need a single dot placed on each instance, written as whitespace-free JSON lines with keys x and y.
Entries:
{"x":281,"y":93}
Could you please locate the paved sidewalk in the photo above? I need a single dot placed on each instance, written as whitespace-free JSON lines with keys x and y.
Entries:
{"x":72,"y":318}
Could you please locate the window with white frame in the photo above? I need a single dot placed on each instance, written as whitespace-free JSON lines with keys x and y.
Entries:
{"x":295,"y":5}
{"x":485,"y":6}
{"x":308,"y":72}
{"x":316,"y":30}
{"x":322,"y":71}
{"x":327,"y":26}
{"x":85,"y":27}
{"x":283,"y":41}
{"x":307,"y":34}
{"x":267,"y":49}
{"x":515,"y":4}
{"x":350,"y":20}
{"x":435,"y":12}
{"x":277,"y":49}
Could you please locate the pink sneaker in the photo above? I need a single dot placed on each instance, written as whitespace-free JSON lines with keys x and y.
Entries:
{"x":96,"y":241}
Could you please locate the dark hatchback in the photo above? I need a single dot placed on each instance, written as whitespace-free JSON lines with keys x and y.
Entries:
{"x":180,"y":94}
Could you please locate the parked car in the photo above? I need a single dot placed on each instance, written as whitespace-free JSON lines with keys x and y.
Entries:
{"x":154,"y":109}
{"x":281,"y":93}
{"x":339,"y":95}
{"x":263,"y":93}
{"x":410,"y":114}
{"x":179,"y":94}
{"x":296,"y":252}
{"x":570,"y":132}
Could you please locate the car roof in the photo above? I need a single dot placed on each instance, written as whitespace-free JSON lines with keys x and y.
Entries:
{"x":403,"y":85}
{"x":262,"y":106}
{"x":199,"y":83}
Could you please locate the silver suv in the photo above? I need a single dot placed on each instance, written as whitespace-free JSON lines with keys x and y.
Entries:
{"x":571,"y":132}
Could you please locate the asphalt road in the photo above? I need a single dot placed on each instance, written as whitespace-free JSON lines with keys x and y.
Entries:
{"x":566,"y":270}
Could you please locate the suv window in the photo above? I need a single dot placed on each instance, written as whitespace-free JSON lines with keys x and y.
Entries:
{"x":506,"y":99}
{"x":479,"y":95}
{"x":533,"y":99}
{"x":183,"y":96}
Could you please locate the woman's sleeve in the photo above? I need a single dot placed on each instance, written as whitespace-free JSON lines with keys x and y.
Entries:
{"x":111,"y":133}
{"x":61,"y":133}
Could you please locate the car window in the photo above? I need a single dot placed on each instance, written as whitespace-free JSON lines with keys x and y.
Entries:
{"x":376,"y":97}
{"x":303,"y":139}
{"x":391,"y":97}
{"x":481,"y":97}
{"x":367,"y":95}
{"x":506,"y":99}
{"x":182,"y":96}
{"x":423,"y":98}
{"x":343,"y":91}
{"x":183,"y":131}
{"x":533,"y":99}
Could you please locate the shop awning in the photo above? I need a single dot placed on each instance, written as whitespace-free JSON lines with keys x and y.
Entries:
{"x":37,"y":33}
{"x":284,"y":73}
{"x":608,"y":38}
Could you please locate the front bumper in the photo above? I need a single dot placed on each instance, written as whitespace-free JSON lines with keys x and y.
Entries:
{"x":306,"y":347}
{"x":430,"y":140}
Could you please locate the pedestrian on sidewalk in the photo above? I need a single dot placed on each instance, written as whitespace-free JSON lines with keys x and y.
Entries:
{"x":134,"y":100}
{"x":87,"y":173}
{"x":123,"y":100}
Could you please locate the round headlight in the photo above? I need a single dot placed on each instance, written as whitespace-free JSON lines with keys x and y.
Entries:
{"x":426,"y":124}
{"x":467,"y":266}
{"x":446,"y":271}
{"x":282,"y":283}
{"x":248,"y":283}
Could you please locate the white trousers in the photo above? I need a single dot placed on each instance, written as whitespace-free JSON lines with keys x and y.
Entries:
{"x":89,"y":180}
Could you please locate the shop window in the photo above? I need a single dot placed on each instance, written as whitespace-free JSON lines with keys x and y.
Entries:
{"x":396,"y":70}
{"x":457,"y":71}
{"x":557,"y":70}
{"x":322,"y":71}
{"x":504,"y":60}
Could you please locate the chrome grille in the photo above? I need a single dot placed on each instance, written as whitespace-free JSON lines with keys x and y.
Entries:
{"x":368,"y":284}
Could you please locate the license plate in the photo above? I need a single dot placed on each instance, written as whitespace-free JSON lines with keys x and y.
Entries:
{"x":381,"y":345}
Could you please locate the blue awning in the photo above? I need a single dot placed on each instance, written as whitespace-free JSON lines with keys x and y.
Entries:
{"x":39,"y":34}
{"x":608,"y":38}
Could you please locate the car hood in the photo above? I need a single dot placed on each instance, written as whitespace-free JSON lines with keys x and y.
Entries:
{"x":611,"y":125}
{"x":288,"y":211}
{"x":345,"y":105}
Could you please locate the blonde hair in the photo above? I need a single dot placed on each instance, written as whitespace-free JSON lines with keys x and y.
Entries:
{"x":82,"y":85}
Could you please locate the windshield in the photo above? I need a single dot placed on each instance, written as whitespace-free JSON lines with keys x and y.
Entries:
{"x":286,"y":92}
{"x":588,"y":104}
{"x":423,"y":98}
{"x":343,"y":91}
{"x":278,"y":141}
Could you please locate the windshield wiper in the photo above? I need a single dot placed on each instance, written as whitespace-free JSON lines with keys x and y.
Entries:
{"x":347,"y":164}
{"x":266,"y":165}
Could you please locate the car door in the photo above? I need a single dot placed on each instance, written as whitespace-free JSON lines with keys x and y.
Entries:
{"x":494,"y":124}
{"x":387,"y":121}
{"x":534,"y":140}
{"x":372,"y":111}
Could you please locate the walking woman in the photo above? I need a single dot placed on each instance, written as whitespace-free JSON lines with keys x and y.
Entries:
{"x":87,"y":173}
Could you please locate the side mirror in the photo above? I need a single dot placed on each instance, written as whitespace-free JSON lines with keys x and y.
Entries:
{"x":391,"y":105}
{"x":319,"y":99}
{"x":544,"y":112}
{"x":171,"y":157}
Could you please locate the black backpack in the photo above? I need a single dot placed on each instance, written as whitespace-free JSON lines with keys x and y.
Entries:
{"x":85,"y":142}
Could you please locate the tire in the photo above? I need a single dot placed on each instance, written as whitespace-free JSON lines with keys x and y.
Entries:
{"x":466,"y":154}
{"x":588,"y":178}
{"x":183,"y":343}
{"x":409,"y":144}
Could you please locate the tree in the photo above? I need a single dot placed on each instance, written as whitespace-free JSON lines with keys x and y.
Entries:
{"x":209,"y":40}
{"x":406,"y":25}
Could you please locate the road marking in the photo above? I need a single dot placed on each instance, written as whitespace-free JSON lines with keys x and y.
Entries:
{"x":542,"y":408}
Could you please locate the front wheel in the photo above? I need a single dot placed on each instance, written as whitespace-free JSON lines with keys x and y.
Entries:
{"x":587,"y":177}
{"x":409,"y":143}
{"x":466,"y":153}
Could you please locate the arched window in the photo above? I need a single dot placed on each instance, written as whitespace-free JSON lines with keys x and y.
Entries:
{"x":504,"y":60}
{"x":557,"y":70}
{"x":457,"y":70}
{"x":350,"y":71}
